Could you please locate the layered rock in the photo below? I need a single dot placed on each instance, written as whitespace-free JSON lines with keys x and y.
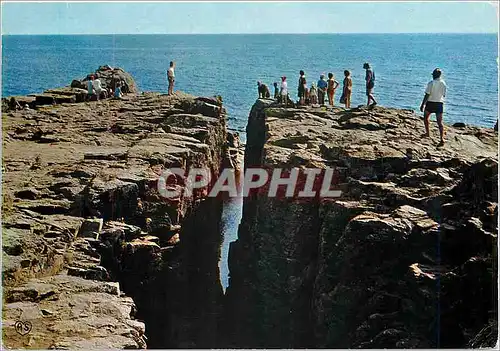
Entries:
{"x":81,"y":208}
{"x":109,"y":77}
{"x":405,"y":258}
{"x":65,"y":312}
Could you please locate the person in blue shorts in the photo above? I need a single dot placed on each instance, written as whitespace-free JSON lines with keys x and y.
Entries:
{"x":322,"y":84}
{"x":370,"y":84}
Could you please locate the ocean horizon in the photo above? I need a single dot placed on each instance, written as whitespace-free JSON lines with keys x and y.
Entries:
{"x":277,"y":33}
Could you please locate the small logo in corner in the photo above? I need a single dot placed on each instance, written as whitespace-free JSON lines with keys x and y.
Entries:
{"x":23,"y":328}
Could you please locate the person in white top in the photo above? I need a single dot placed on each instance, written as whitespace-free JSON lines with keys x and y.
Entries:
{"x":99,"y":90}
{"x":171,"y":78}
{"x":284,"y":91}
{"x":433,"y":102}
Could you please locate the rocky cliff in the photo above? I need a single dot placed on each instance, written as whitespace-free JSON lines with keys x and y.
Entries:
{"x":406,"y":257}
{"x":93,"y":256}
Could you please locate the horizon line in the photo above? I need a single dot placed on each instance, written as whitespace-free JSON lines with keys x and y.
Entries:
{"x":264,"y":33}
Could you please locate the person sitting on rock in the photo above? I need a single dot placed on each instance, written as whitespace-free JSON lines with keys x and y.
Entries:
{"x":118,"y":92}
{"x":14,"y":105}
{"x":99,"y":90}
{"x":263,"y":91}
{"x":90,"y":88}
{"x":124,"y":87}
{"x":276,"y":91}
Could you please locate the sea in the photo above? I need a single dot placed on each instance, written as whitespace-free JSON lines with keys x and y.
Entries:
{"x":231,"y":65}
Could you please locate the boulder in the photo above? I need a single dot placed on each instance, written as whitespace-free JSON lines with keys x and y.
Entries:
{"x":78,"y":93}
{"x":52,"y":99}
{"x":109,"y":77}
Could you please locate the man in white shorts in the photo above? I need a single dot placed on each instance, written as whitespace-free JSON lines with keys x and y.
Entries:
{"x":433,"y":101}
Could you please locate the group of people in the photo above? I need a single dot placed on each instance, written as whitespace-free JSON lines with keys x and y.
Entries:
{"x":95,"y":89}
{"x":433,"y":101}
{"x":323,"y":89}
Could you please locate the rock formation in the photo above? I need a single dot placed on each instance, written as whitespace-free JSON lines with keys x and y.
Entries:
{"x":85,"y":230}
{"x":76,"y":91}
{"x":109,"y":77}
{"x":406,"y":257}
{"x":94,"y":256}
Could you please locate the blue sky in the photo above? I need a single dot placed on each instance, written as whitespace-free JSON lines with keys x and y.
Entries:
{"x":269,"y":17}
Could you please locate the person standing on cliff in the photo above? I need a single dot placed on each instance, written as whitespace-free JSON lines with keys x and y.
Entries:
{"x":284,"y":91}
{"x":118,"y":92}
{"x":347,"y":90}
{"x":322,"y":84}
{"x":90,"y":87}
{"x":370,"y":84}
{"x":313,"y":94}
{"x":433,"y":102}
{"x":302,"y":87}
{"x":171,"y":78}
{"x":332,"y":86}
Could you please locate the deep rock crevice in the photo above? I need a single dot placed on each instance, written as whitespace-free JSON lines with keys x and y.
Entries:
{"x":405,"y":258}
{"x":82,"y":216}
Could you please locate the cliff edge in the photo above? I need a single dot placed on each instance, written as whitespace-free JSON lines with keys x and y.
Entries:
{"x":405,"y":258}
{"x":93,"y":256}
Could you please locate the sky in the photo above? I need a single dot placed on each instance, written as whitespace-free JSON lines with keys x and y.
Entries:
{"x":249,"y":17}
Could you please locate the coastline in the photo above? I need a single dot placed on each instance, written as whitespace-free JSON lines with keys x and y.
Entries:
{"x":80,"y":180}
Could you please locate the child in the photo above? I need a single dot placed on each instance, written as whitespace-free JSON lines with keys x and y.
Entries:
{"x":118,"y":92}
{"x":276,"y":91}
{"x":332,"y":86}
{"x":313,"y":94}
{"x":284,"y":91}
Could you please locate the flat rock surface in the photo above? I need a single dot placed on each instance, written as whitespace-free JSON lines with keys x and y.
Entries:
{"x":70,"y":312}
{"x":366,"y":134}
